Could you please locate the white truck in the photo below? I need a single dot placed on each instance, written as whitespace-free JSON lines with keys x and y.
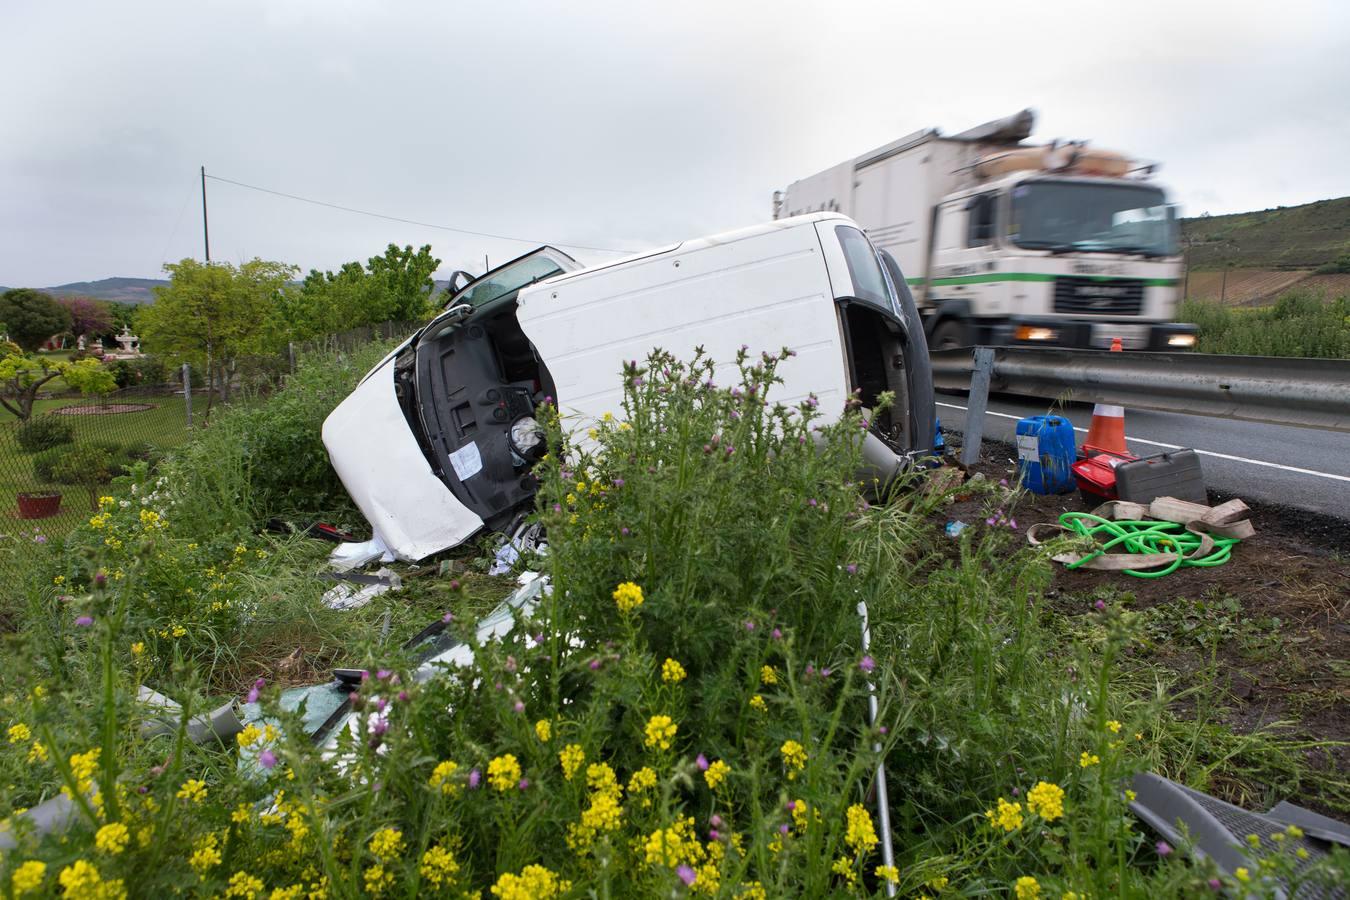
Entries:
{"x":1004,"y":242}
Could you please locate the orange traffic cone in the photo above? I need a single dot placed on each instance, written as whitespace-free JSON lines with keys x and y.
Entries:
{"x":1106,"y":434}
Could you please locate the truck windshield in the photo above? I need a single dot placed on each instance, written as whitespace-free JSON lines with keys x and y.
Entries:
{"x":1104,"y":218}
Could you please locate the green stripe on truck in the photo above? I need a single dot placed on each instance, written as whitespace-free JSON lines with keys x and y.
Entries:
{"x":1041,"y":276}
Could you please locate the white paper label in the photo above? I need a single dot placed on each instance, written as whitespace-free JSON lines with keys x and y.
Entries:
{"x":467,"y":461}
{"x":1028,"y":447}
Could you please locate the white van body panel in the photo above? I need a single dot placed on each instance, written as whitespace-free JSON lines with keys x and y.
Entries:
{"x":384,"y":470}
{"x":767,"y":287}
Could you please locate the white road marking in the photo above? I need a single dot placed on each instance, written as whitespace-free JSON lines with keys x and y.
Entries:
{"x":1242,"y":459}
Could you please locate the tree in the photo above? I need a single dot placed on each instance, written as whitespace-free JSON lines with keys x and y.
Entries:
{"x":394,"y":287}
{"x":23,"y":375}
{"x":31,"y":317}
{"x":88,"y":317}
{"x":211,"y":314}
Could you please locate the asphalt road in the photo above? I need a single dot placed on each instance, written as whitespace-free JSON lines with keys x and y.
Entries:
{"x":1300,"y":468}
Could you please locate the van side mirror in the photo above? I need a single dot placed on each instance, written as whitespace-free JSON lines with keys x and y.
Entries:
{"x":459,"y":280}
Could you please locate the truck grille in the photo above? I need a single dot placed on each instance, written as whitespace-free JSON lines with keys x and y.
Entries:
{"x":1085,"y":296}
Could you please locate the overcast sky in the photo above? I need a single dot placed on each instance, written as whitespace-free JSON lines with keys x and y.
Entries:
{"x":620,"y":125}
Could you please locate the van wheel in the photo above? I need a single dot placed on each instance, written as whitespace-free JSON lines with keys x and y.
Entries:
{"x":949,"y":335}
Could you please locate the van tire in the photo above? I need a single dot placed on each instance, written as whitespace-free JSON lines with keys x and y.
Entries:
{"x":949,"y":334}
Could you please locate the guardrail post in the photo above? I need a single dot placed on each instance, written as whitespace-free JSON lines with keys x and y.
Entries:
{"x":187,"y":393}
{"x":976,"y":405}
{"x":290,"y":352}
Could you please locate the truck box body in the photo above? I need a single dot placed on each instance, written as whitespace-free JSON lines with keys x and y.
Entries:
{"x":1004,"y":242}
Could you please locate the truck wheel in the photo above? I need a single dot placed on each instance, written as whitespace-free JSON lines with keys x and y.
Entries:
{"x":949,"y":335}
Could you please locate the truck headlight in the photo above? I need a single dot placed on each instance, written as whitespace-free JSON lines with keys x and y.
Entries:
{"x":1035,"y":333}
{"x":1181,"y":340}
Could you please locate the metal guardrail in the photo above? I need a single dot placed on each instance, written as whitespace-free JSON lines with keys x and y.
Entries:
{"x":1307,"y":393}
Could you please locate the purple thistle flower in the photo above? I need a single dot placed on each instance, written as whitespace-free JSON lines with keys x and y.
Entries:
{"x":884,"y":730}
{"x":524,"y":784}
{"x":448,"y":618}
{"x":1163,"y":848}
{"x":702,"y":763}
{"x":402,"y":696}
{"x":776,"y":634}
{"x":791,"y":805}
{"x":713,"y":834}
{"x":749,"y":625}
{"x":557,"y":507}
{"x":100,"y":578}
{"x":715,"y":821}
{"x":783,"y":829}
{"x":867,"y":664}
{"x":825,"y":672}
{"x":851,"y":568}
{"x":381,"y":704}
{"x":253,"y":691}
{"x":267,"y":759}
{"x":143,"y":789}
{"x":84,"y":622}
{"x":595,"y":664}
{"x":519,"y":706}
{"x":810,"y":669}
{"x":380,"y":726}
{"x":687,"y":874}
{"x":365,"y":675}
{"x":1100,"y":606}
{"x":1017,"y":792}
{"x":812,"y":502}
{"x":510,"y":664}
{"x":382,"y":674}
{"x":618,"y":482}
{"x":624,"y":531}
{"x":1215,"y":884}
{"x":474,"y":777}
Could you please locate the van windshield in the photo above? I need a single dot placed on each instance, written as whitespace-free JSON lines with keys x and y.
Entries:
{"x":1105,"y":218}
{"x":869,"y":282}
{"x":511,"y":277}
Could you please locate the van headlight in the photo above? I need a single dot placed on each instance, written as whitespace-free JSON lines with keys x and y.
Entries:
{"x":1181,"y":340}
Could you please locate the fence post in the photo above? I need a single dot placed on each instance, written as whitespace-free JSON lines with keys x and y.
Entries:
{"x":976,"y":405}
{"x":187,"y":393}
{"x":290,"y":352}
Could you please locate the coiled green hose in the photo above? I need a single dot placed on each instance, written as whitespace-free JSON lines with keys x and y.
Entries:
{"x":1143,"y":536}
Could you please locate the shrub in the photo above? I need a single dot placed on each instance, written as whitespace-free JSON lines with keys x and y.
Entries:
{"x":44,"y":462}
{"x":1299,"y":324}
{"x":44,"y":433}
{"x":147,"y":370}
{"x":84,"y":464}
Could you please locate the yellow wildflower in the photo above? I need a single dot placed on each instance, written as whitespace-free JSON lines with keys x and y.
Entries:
{"x":249,"y":735}
{"x":768,"y":675}
{"x":543,"y":729}
{"x":241,"y":814}
{"x":757,"y":704}
{"x":439,"y":866}
{"x":1046,"y":800}
{"x":504,"y":772}
{"x":861,"y":836}
{"x":752,"y":890}
{"x":1008,"y":817}
{"x":443,"y":778}
{"x":660,"y":732}
{"x":1086,"y":759}
{"x":628,"y":597}
{"x":205,"y":854}
{"x":37,"y":752}
{"x":19,"y":733}
{"x":888,"y":873}
{"x":672,"y":672}
{"x":294,"y":892}
{"x":643,"y":780}
{"x":843,"y":867}
{"x":1294,"y":831}
{"x":716,"y":774}
{"x":794,"y":757}
{"x":81,"y":881}
{"x":112,"y":838}
{"x":1027,"y":888}
{"x":138,"y":649}
{"x":28,"y":877}
{"x":533,"y":883}
{"x":378,"y":880}
{"x":193,"y":790}
{"x":571,"y":757}
{"x":1070,"y":895}
{"x":1242,"y":874}
{"x":387,"y":843}
{"x":242,"y":884}
{"x":1113,"y":726}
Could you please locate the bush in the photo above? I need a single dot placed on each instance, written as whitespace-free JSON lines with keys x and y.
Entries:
{"x":45,"y":461}
{"x":148,"y":370}
{"x":45,"y":432}
{"x":84,"y":464}
{"x":255,"y":461}
{"x":1300,"y":324}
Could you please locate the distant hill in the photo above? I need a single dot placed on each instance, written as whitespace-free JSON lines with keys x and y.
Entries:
{"x":120,"y":290}
{"x":1289,"y":237}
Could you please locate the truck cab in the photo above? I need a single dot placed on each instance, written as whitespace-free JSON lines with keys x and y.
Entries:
{"x":1057,"y":260}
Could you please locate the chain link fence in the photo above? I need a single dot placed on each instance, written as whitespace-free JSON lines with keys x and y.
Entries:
{"x":54,"y":467}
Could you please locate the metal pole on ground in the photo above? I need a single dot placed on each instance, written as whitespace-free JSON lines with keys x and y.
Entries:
{"x":187,"y":393}
{"x":883,"y":796}
{"x":976,"y":405}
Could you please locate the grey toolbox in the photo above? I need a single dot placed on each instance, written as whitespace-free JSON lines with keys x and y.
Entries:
{"x":1175,"y":473}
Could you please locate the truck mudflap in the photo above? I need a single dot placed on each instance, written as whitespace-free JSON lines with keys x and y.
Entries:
{"x":1048,"y":331}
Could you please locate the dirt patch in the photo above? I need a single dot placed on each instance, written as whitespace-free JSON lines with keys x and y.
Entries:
{"x":1269,"y":629}
{"x":108,"y":410}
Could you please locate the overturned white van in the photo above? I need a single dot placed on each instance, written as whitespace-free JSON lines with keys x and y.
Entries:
{"x":437,"y":441}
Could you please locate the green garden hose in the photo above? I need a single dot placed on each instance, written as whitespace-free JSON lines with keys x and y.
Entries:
{"x":1144,"y":536}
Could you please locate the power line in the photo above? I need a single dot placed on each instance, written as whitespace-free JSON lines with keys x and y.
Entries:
{"x":365,"y":212}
